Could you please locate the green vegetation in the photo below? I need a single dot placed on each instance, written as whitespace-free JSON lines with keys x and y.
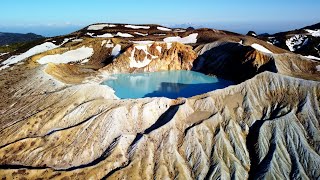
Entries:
{"x":20,"y":46}
{"x":11,"y":47}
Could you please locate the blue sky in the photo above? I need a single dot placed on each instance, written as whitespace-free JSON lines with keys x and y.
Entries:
{"x":52,"y":17}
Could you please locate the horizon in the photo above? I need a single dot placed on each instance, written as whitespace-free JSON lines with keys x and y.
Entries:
{"x":59,"y":17}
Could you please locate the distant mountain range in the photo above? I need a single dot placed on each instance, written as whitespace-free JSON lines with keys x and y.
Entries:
{"x":11,"y":38}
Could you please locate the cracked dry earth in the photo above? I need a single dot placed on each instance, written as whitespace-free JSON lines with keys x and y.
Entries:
{"x":266,"y":127}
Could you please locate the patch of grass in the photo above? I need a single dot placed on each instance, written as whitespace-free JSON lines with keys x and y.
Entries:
{"x":12,"y":47}
{"x":20,"y":46}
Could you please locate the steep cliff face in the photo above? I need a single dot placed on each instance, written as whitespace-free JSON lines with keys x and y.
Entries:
{"x":153,"y":57}
{"x":239,"y":62}
{"x":233,"y":61}
{"x":59,"y":122}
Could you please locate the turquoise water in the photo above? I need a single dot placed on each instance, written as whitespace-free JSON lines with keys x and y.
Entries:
{"x":171,"y":84}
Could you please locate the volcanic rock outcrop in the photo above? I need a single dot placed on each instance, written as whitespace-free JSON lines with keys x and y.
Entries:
{"x":59,"y":122}
{"x":153,"y":57}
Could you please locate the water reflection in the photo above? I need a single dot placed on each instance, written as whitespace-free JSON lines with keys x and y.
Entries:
{"x":171,"y":84}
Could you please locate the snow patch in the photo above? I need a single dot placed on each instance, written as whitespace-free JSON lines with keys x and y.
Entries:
{"x":318,"y":68}
{"x":192,"y":38}
{"x":77,"y":40}
{"x":273,"y":40}
{"x":137,"y":27}
{"x":124,"y":34}
{"x":85,"y":61}
{"x":107,"y":35}
{"x":169,"y":45}
{"x":164,"y":29}
{"x":159,"y":48}
{"x":103,"y":42}
{"x":314,"y":33}
{"x":31,"y":52}
{"x":77,"y":55}
{"x":109,"y":44}
{"x":141,"y":62}
{"x":141,"y":34}
{"x":4,"y":67}
{"x":296,"y":42}
{"x":65,"y":40}
{"x":100,"y":26}
{"x":261,"y":48}
{"x":90,"y":34}
{"x":2,"y":54}
{"x":312,"y":57}
{"x":116,"y":50}
{"x":254,"y":34}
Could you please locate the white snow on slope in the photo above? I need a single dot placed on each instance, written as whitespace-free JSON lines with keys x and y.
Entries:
{"x":76,"y":55}
{"x":116,"y":50}
{"x":124,"y":34}
{"x":254,"y":34}
{"x":134,"y":63}
{"x":169,"y":45}
{"x":164,"y":29}
{"x":318,"y":68}
{"x":137,"y":27}
{"x":139,"y":64}
{"x":296,"y":42}
{"x":103,"y":42}
{"x":273,"y":40}
{"x":261,"y":48}
{"x":33,"y":51}
{"x":314,"y":33}
{"x":100,"y":26}
{"x":192,"y":38}
{"x":159,"y":48}
{"x":2,"y":54}
{"x":77,"y":40}
{"x":109,"y":44}
{"x":312,"y":57}
{"x":141,"y":34}
{"x":90,"y":34}
{"x":107,"y":35}
{"x":65,"y":41}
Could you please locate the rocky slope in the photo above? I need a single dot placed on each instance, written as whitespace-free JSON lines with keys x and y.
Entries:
{"x":58,"y":122}
{"x":304,"y":41}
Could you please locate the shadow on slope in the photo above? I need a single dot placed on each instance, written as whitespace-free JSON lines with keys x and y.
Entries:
{"x":233,"y":61}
